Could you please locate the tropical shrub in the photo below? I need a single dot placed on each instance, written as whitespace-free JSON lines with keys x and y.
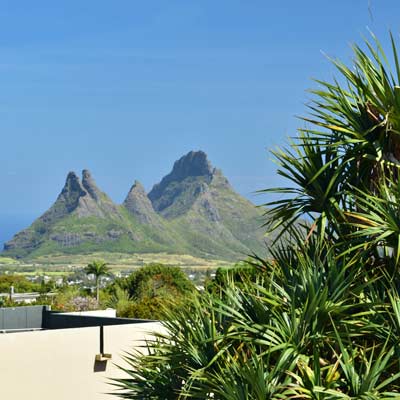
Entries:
{"x":20,"y":283}
{"x":119,"y":300}
{"x":143,"y":293}
{"x":73,"y":299}
{"x":153,"y":279}
{"x":238,"y":273}
{"x":322,"y":319}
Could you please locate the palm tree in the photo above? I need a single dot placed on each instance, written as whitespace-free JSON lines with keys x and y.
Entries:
{"x":98,"y":268}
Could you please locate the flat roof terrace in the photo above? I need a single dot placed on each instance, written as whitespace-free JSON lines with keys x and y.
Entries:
{"x":32,"y":318}
{"x":53,"y":361}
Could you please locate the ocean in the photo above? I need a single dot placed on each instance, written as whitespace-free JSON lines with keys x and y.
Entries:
{"x":10,"y":225}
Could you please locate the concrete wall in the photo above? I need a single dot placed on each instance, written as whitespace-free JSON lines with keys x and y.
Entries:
{"x":60,"y":364}
{"x":109,"y":312}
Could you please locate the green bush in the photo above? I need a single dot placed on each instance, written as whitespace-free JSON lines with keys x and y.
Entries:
{"x":157,"y":279}
{"x":149,"y":290}
{"x":20,"y":283}
{"x":73,"y":299}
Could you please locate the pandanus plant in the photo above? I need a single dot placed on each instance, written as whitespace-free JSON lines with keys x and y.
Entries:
{"x":321,"y":319}
{"x":351,"y":140}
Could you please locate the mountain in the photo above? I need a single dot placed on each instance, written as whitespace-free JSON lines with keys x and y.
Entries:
{"x":140,"y":206}
{"x":177,"y":191}
{"x":81,"y":214}
{"x":202,"y":206}
{"x":192,"y":210}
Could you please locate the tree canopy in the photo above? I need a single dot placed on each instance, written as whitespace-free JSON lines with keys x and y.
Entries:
{"x":98,"y":268}
{"x":153,"y":288}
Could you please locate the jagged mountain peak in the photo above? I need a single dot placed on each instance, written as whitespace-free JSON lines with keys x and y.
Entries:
{"x":87,"y":176}
{"x":90,"y":185}
{"x":194,"y":163}
{"x":72,"y":176}
{"x":135,"y":190}
{"x":137,"y":185}
{"x":81,"y":197}
{"x":68,"y":199}
{"x":139,"y":205}
{"x":77,"y":201}
{"x":189,"y":178}
{"x":72,"y":185}
{"x":192,"y":210}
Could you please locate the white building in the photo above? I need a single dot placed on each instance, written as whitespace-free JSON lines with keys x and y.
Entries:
{"x":47,"y":355}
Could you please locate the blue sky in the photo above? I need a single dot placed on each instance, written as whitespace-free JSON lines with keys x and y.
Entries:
{"x":124,"y":88}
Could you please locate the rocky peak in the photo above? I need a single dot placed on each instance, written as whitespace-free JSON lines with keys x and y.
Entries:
{"x":195,"y":163}
{"x":73,"y":185}
{"x":138,"y":204}
{"x":135,"y":193}
{"x":195,"y":211}
{"x":137,"y":187}
{"x":193,"y":167}
{"x":83,"y":198}
{"x":67,"y":201}
{"x":72,"y":191}
{"x":90,"y":185}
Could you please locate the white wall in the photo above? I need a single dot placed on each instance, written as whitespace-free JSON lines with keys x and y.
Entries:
{"x":60,"y":364}
{"x":109,"y":312}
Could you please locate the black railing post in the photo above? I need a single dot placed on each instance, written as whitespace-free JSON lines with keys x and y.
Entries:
{"x":101,"y":339}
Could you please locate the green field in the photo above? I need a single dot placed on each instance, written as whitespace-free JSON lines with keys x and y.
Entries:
{"x":7,"y":260}
{"x":62,"y":263}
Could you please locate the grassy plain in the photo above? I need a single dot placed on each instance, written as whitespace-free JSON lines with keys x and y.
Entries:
{"x":56,"y":263}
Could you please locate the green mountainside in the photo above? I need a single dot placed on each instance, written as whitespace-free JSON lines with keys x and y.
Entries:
{"x":193,"y":210}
